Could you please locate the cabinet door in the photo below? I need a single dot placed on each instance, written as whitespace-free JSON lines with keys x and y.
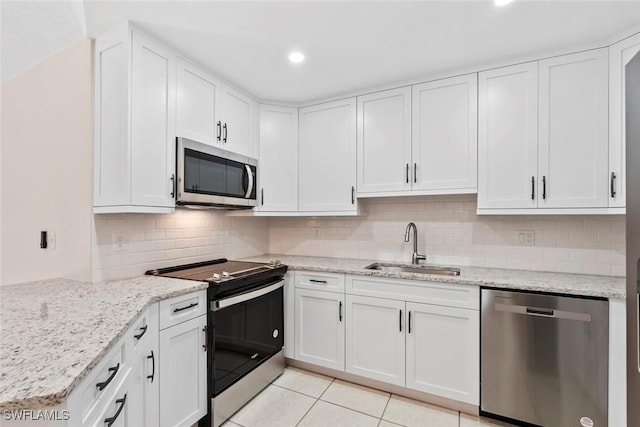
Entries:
{"x":384,"y":141}
{"x":619,"y":55}
{"x":443,"y":351}
{"x":196,"y":113}
{"x":508,"y":136}
{"x":289,"y":316}
{"x":183,"y":373}
{"x":153,"y":135}
{"x":375,"y":346}
{"x":278,"y":159}
{"x":327,"y":153}
{"x":445,"y":134}
{"x":145,"y":383}
{"x":319,"y":333}
{"x":237,"y":112}
{"x":573,"y":141}
{"x":119,"y":410}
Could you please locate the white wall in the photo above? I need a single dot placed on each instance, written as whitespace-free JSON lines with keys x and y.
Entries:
{"x":46,"y":145}
{"x":450,"y":232}
{"x":154,"y":241}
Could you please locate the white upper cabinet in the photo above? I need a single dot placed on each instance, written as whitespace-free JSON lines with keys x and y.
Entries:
{"x":278,"y":169}
{"x":134,"y":142}
{"x":619,"y":55}
{"x":573,"y":131}
{"x":508,"y":137}
{"x":445,"y":135}
{"x":384,"y":141}
{"x":196,"y":111}
{"x":327,"y":156}
{"x":237,"y":120}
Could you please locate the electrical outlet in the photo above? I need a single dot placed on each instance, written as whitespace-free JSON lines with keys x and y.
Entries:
{"x":52,"y":240}
{"x":119,"y":243}
{"x":526,"y":237}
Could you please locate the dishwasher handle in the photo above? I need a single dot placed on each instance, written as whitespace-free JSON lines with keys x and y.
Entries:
{"x":542,"y":312}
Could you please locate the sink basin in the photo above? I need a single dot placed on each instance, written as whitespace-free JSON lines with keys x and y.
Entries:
{"x":420,"y":269}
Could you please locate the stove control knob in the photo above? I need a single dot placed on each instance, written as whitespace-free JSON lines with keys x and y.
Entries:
{"x":216,"y":276}
{"x":225,"y":274}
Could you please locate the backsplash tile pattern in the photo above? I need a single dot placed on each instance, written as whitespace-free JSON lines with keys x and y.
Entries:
{"x":154,"y":241}
{"x":450,"y":232}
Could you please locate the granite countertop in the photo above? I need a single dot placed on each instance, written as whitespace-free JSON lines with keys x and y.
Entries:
{"x":562,"y":283}
{"x":53,"y":332}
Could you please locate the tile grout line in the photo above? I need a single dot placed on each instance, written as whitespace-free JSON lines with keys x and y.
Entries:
{"x":306,"y":413}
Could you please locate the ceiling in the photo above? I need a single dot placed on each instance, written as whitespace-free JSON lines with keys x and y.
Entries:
{"x":359,"y":44}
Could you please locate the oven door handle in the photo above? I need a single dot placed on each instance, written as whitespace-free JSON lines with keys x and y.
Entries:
{"x":227,"y":302}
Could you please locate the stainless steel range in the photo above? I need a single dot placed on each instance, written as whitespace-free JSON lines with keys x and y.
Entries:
{"x":246,"y":329}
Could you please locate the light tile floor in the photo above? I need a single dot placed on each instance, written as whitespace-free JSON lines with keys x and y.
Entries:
{"x":306,"y":399}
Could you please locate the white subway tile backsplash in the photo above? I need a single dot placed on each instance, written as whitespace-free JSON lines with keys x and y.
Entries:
{"x":451,"y":233}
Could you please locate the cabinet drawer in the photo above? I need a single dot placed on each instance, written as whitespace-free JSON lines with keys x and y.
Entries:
{"x":144,"y":327}
{"x":88,"y":398}
{"x":443,"y":294}
{"x":180,"y":309}
{"x":117,"y":407}
{"x":330,"y":282}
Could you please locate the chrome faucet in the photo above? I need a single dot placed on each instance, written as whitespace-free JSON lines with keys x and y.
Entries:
{"x":416,"y":256}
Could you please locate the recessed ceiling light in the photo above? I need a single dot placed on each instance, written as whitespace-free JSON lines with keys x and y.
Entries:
{"x":296,"y":57}
{"x":502,"y":2}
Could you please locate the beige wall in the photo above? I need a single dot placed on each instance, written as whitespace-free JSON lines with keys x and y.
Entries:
{"x":46,"y":168}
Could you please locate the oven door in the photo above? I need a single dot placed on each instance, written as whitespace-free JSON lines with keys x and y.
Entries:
{"x":248,"y":329}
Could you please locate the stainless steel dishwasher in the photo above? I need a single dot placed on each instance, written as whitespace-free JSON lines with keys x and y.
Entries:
{"x":544,"y":358}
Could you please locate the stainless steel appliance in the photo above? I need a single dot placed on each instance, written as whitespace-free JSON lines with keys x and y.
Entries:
{"x":211,"y":177}
{"x":245,"y":326}
{"x":544,"y":359}
{"x":632,"y":120}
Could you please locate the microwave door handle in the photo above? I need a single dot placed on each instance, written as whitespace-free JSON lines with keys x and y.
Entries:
{"x":250,"y":184}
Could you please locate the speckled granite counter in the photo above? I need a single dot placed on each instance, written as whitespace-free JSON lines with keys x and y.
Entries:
{"x":54,"y":331}
{"x":562,"y":283}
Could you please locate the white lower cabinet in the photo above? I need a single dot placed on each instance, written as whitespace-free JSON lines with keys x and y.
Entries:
{"x":319,"y":330}
{"x":183,"y":373}
{"x":375,"y":346}
{"x":289,"y":316}
{"x":443,"y":345}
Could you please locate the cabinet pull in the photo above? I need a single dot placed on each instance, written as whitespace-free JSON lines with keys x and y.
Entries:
{"x":407,"y":173}
{"x":224,"y":138}
{"x":409,"y":325}
{"x":173,"y":185}
{"x":340,"y":311}
{"x":219,"y":131}
{"x":613,"y":185}
{"x":533,"y":188}
{"x":206,"y":338}
{"x":141,"y":334}
{"x":318,"y":281}
{"x":195,"y":304}
{"x":153,"y":366}
{"x":544,"y":187}
{"x":262,"y":196}
{"x":353,"y":195}
{"x":415,"y":173}
{"x":114,"y":370}
{"x":400,"y":320}
{"x":121,"y":402}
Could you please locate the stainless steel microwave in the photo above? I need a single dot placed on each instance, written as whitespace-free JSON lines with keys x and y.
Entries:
{"x":211,"y":177}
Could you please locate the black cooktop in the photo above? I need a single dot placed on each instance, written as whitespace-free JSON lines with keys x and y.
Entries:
{"x":225,"y":277}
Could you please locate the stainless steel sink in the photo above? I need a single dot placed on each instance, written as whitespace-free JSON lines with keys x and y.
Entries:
{"x":420,"y":269}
